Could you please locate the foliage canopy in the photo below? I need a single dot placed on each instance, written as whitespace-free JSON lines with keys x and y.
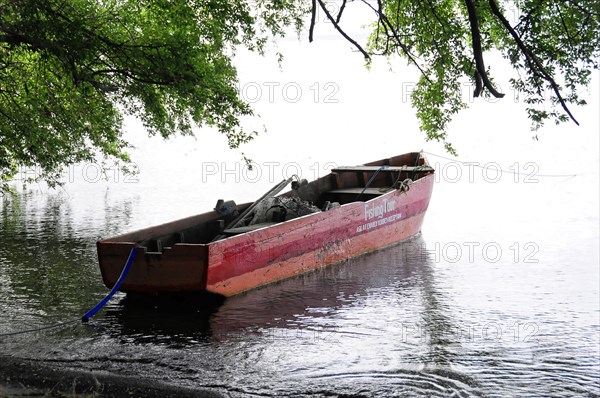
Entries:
{"x":70,"y":69}
{"x":552,"y":46}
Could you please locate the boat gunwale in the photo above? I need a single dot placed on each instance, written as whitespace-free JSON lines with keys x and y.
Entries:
{"x":329,"y":213}
{"x":284,"y":224}
{"x":194,"y":220}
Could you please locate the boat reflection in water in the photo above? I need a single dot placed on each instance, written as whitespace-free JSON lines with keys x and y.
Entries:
{"x":307,"y":306}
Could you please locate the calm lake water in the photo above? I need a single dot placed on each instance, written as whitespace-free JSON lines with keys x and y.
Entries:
{"x":499,"y":295}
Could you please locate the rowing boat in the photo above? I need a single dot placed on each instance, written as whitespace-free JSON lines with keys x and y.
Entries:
{"x":234,"y":248}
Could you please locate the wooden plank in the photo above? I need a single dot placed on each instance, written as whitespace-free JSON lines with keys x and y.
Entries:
{"x":357,"y":191}
{"x":248,"y":228}
{"x":395,"y":169}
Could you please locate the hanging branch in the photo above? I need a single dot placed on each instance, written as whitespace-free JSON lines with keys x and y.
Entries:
{"x":481,"y":75}
{"x":531,"y":58}
{"x":389,"y":28}
{"x":562,"y":20}
{"x":339,"y":29}
{"x":342,"y":8}
{"x":478,"y":85}
{"x":313,"y":18}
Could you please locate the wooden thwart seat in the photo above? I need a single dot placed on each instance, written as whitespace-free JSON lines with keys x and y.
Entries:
{"x":375,"y":169}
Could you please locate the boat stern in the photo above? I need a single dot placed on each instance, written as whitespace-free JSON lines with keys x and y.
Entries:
{"x":180,"y":268}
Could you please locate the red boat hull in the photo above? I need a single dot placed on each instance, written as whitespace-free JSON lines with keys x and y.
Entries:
{"x":253,"y":259}
{"x":247,"y":261}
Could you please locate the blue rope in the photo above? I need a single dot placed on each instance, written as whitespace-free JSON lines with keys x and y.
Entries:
{"x":91,"y":312}
{"x":101,"y":304}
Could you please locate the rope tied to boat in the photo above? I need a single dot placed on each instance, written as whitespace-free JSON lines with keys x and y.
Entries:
{"x":403,"y":186}
{"x":115,"y":288}
{"x":91,"y":312}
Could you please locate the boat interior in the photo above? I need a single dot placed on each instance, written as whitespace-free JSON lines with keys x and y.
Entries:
{"x":347,"y":184}
{"x":343,"y":185}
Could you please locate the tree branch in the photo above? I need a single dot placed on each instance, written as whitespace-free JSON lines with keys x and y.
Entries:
{"x":585,"y":10}
{"x":387,"y":24}
{"x":337,"y":27}
{"x":342,"y":8}
{"x":478,"y":85}
{"x":313,"y":18}
{"x":435,"y":14}
{"x":478,"y":52}
{"x":531,"y":58}
{"x":562,"y":20}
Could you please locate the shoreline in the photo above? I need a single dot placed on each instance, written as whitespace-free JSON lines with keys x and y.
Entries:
{"x":28,"y":378}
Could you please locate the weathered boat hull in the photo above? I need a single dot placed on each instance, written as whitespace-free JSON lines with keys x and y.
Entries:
{"x":279,"y":252}
{"x":246,"y":261}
